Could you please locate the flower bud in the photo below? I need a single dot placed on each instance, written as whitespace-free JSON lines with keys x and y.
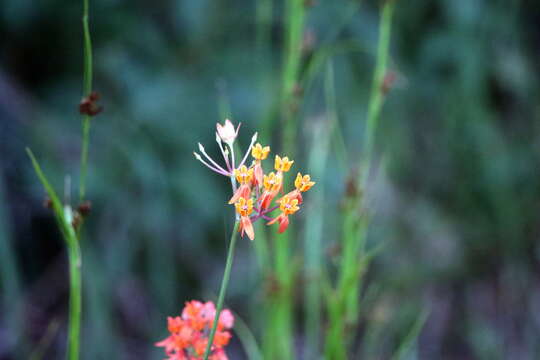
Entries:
{"x":226,"y":132}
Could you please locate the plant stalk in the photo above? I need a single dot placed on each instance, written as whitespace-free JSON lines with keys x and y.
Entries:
{"x":75,"y":303}
{"x":377,"y":94}
{"x":223,"y":289}
{"x":87,"y":89}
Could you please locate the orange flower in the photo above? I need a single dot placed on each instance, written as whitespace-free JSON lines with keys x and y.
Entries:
{"x":282,"y":164}
{"x":259,"y":152}
{"x":188,"y":340}
{"x":243,"y":176}
{"x":272,"y":184}
{"x":221,"y":338}
{"x":287,"y":206}
{"x":175,"y":324}
{"x":244,"y":208}
{"x":303,"y":183}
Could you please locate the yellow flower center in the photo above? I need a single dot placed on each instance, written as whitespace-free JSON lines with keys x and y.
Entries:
{"x":244,"y":207}
{"x":288,"y":206}
{"x":272,"y":182}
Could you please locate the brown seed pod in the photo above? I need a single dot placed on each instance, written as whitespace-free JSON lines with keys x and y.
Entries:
{"x":47,"y":203}
{"x":84,"y":208}
{"x":89,"y":106}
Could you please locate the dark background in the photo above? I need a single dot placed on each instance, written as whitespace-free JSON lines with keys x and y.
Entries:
{"x":458,"y":203}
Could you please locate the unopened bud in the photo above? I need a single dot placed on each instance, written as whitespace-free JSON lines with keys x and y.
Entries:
{"x":85,"y":208}
{"x":47,"y":202}
{"x":88,"y":105}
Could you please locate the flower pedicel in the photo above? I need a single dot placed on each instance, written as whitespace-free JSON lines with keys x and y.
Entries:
{"x":253,"y":190}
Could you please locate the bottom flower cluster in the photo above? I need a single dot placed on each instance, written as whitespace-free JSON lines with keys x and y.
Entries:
{"x":190,"y":332}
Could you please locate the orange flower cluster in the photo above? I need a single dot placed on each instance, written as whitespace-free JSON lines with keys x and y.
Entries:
{"x":190,"y":331}
{"x":256,"y":190}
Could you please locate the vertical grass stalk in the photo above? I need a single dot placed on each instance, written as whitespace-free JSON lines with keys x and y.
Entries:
{"x":279,"y":338}
{"x":87,"y":89}
{"x":294,"y":18}
{"x":223,"y":288}
{"x":377,"y":94}
{"x":314,"y":221}
{"x":64,"y":217}
{"x":75,"y":301}
{"x":343,"y":307}
{"x":263,"y":14}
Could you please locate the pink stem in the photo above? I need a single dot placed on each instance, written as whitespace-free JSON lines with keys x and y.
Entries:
{"x":211,"y":161}
{"x":219,"y":171}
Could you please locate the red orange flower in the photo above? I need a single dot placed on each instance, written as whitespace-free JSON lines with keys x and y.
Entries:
{"x":243,"y":176}
{"x":288,"y":206}
{"x":244,"y":208}
{"x":189,"y":333}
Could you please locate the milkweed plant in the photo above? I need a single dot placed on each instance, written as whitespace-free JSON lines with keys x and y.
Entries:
{"x":256,"y":195}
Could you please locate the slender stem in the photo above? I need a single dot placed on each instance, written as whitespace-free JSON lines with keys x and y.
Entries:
{"x":295,"y":16}
{"x":232,"y":156}
{"x":198,"y":157}
{"x":264,"y":23}
{"x":223,"y":289}
{"x":75,"y":303}
{"x":87,"y":89}
{"x":215,"y":164}
{"x":376,"y":97}
{"x":346,"y":304}
{"x":225,"y":156}
{"x":315,"y":220}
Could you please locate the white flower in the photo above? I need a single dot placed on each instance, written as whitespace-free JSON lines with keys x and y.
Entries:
{"x":226,"y":132}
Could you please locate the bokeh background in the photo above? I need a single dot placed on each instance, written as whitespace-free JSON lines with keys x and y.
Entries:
{"x":457,"y":198}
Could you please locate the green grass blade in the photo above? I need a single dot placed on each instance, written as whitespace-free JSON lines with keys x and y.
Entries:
{"x":411,"y":337}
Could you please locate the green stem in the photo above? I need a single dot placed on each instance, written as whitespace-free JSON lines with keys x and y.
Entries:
{"x":75,"y":287}
{"x":376,"y":97}
{"x":87,"y":89}
{"x":315,"y":220}
{"x":295,"y":14}
{"x":345,"y":306}
{"x":223,"y":289}
{"x":263,"y":14}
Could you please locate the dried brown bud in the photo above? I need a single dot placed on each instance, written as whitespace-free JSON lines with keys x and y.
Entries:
{"x":88,"y":105}
{"x":351,"y":187}
{"x":309,"y":3}
{"x":47,"y":202}
{"x":85,"y":208}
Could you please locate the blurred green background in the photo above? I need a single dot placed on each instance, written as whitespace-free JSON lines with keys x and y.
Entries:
{"x":457,"y":199}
